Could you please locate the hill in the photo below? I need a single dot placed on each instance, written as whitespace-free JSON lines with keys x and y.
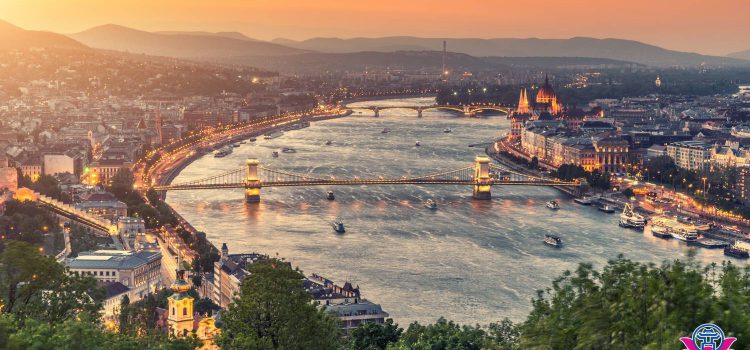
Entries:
{"x":232,"y":35}
{"x":617,"y":49}
{"x":12,"y":37}
{"x":181,"y":45}
{"x":743,"y":55}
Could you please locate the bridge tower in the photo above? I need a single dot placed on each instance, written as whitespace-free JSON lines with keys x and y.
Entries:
{"x":377,"y":111}
{"x":252,"y":182}
{"x":468,"y":112}
{"x":482,"y":180}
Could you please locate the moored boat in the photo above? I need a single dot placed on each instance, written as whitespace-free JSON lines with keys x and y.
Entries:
{"x":737,"y":250}
{"x":660,"y":232}
{"x":584,"y":200}
{"x":630,"y":219}
{"x":607,"y":209}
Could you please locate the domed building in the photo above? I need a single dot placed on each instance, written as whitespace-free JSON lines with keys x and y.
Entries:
{"x":546,"y":99}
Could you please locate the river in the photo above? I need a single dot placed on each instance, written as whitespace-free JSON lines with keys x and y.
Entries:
{"x":470,"y":261}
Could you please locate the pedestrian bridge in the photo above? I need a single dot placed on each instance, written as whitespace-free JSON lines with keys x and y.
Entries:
{"x":467,"y":110}
{"x":481,"y":175}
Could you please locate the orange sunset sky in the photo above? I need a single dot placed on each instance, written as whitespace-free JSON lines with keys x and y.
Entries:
{"x":712,"y":27}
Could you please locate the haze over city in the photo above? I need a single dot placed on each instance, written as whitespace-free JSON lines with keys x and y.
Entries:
{"x":708,"y":27}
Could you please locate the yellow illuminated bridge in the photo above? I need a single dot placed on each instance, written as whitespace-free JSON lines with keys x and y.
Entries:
{"x":481,"y":175}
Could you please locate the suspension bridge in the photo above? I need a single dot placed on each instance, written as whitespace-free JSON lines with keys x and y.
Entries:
{"x":481,"y":175}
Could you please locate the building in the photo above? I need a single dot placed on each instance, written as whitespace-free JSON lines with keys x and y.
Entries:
{"x":345,"y":302}
{"x":743,"y":184}
{"x":612,"y":154}
{"x":521,"y":115}
{"x":139,"y":271}
{"x":691,"y":155}
{"x":182,"y":321}
{"x":130,"y":227}
{"x":103,"y":204}
{"x":102,"y":171}
{"x":730,"y":155}
{"x":546,"y":98}
{"x":229,"y":272}
{"x":8,"y":176}
{"x":68,"y":162}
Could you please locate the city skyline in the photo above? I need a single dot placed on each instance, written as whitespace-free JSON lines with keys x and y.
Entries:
{"x":694,"y":26}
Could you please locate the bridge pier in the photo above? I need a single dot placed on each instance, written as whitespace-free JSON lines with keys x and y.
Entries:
{"x":252,"y":182}
{"x":482,"y":180}
{"x":377,"y":111}
{"x":419,"y":112}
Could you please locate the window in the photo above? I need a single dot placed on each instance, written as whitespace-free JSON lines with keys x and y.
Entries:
{"x":172,"y":311}
{"x":184,"y":311}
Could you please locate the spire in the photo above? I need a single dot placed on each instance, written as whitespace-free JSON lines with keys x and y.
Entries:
{"x":546,"y":80}
{"x":523,"y":103}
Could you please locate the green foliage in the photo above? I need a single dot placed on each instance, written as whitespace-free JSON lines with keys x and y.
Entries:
{"x":33,"y":285}
{"x":444,"y":335}
{"x":630,"y":305}
{"x":275,"y":312}
{"x":628,"y":192}
{"x":46,"y":185}
{"x":569,"y":172}
{"x":26,"y":221}
{"x":372,"y":336}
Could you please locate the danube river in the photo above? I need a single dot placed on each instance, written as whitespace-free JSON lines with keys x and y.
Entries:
{"x":470,"y":261}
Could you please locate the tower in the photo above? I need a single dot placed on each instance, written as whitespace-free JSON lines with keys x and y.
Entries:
{"x":180,"y":309}
{"x":658,"y":81}
{"x":521,"y":115}
{"x":445,"y":53}
{"x":523,"y":103}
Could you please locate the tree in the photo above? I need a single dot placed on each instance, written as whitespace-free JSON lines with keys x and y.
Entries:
{"x":121,"y":184}
{"x":373,"y":336}
{"x":444,"y":334}
{"x":274,"y":311}
{"x":153,"y":196}
{"x":505,"y":334}
{"x":35,"y":285}
{"x":534,"y":163}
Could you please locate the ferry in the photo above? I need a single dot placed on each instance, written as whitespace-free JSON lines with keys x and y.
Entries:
{"x":275,"y":154}
{"x":553,"y":205}
{"x":607,"y":209}
{"x":553,"y":241}
{"x":417,"y":144}
{"x":338,"y":225}
{"x":738,"y":250}
{"x":329,"y":142}
{"x":273,"y":135}
{"x":678,"y":230}
{"x":447,"y":130}
{"x":629,"y":218}
{"x":660,"y":232}
{"x":430,"y":204}
{"x":330,"y":196}
{"x":584,"y":200}
{"x":288,"y":150}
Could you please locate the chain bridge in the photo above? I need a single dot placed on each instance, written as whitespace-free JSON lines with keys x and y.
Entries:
{"x":481,"y":176}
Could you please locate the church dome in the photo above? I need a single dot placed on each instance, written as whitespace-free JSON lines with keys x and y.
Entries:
{"x":180,"y":285}
{"x":546,"y":93}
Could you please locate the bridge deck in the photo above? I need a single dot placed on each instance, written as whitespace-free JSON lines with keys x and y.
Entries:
{"x":362,"y":182}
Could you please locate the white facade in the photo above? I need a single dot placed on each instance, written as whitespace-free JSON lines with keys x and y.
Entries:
{"x":58,"y":164}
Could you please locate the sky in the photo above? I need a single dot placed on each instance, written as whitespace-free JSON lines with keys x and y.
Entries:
{"x":714,"y":27}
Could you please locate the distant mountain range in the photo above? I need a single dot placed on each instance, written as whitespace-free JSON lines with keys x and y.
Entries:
{"x":357,"y":53}
{"x":179,"y":44}
{"x":618,"y":49}
{"x":743,"y":55}
{"x":12,"y":37}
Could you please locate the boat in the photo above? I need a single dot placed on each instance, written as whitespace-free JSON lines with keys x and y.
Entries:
{"x":252,"y":139}
{"x":430,"y":204}
{"x":737,"y":250}
{"x":329,"y":142}
{"x":447,"y":130}
{"x":338,"y":225}
{"x":330,"y":196}
{"x":288,"y":150}
{"x":273,"y":135}
{"x":629,"y":218}
{"x":417,"y":144}
{"x":585,"y":200}
{"x":385,"y":131}
{"x":235,"y":145}
{"x":607,"y":209}
{"x":660,"y":232}
{"x":553,"y":205}
{"x":275,"y":154}
{"x":678,"y":230}
{"x":553,"y":240}
{"x":223,"y":152}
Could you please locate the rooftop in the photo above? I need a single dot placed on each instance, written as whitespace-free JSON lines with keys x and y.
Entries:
{"x":112,"y":259}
